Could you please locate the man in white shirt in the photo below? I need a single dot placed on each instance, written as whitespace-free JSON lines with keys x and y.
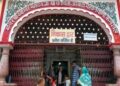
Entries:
{"x":61,"y":76}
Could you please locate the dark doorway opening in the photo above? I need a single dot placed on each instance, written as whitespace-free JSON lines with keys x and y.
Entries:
{"x":57,"y":64}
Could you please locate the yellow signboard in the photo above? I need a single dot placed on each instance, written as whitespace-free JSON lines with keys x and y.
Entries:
{"x":62,"y":36}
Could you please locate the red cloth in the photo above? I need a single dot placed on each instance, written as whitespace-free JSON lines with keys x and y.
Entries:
{"x":53,"y":83}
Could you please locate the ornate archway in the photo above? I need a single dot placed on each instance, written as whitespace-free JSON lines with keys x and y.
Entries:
{"x":32,"y":39}
{"x":40,"y":8}
{"x":36,"y":30}
{"x":12,"y":34}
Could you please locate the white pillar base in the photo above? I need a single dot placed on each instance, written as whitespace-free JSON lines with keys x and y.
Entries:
{"x":111,"y":85}
{"x":118,"y":82}
{"x":8,"y":84}
{"x":2,"y":81}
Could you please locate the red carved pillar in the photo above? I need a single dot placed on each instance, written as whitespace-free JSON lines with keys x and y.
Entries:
{"x":116,"y":54}
{"x":4,"y":64}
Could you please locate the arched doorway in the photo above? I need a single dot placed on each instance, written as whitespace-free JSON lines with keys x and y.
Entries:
{"x":31,"y":50}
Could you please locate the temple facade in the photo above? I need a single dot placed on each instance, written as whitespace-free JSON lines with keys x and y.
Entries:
{"x":35,"y":34}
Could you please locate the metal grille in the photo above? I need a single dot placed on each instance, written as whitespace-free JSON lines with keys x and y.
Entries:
{"x":36,"y":30}
{"x":26,"y":63}
{"x":99,"y":60}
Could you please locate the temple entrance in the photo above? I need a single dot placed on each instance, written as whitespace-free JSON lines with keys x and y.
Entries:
{"x":61,"y":56}
{"x":33,"y":52}
{"x":27,"y":62}
{"x":63,"y":64}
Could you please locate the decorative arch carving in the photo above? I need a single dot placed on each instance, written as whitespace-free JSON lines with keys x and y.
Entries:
{"x":57,"y":8}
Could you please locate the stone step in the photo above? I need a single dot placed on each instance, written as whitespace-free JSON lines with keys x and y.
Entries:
{"x":111,"y":85}
{"x":9,"y":84}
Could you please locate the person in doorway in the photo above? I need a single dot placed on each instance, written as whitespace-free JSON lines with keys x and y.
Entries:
{"x":85,"y":78}
{"x":75,"y":73}
{"x":60,"y":76}
{"x":50,"y":73}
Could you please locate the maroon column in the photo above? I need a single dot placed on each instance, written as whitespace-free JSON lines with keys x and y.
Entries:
{"x":116,"y":55}
{"x":4,"y":64}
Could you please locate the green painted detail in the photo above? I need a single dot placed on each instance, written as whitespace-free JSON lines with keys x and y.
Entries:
{"x":14,"y":6}
{"x":108,"y":8}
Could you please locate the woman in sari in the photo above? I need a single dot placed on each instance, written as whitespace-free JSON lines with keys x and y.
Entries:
{"x":85,"y":78}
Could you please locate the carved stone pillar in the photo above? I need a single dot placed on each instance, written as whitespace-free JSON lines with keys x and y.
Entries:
{"x":116,"y":54}
{"x":4,"y":65}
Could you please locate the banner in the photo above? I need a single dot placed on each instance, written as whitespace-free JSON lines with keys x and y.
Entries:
{"x":62,"y":36}
{"x":90,"y":36}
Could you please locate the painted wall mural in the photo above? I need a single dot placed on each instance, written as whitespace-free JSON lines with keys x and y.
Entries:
{"x":17,"y":8}
{"x":14,"y":6}
{"x":108,"y":8}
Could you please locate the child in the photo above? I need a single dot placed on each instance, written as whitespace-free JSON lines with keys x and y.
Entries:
{"x":52,"y":80}
{"x":67,"y":81}
{"x":41,"y":82}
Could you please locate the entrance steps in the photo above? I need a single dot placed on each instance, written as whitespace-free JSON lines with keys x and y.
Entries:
{"x":8,"y":84}
{"x":112,"y":85}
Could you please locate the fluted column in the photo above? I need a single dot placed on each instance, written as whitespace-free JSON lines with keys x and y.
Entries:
{"x":4,"y":65}
{"x":116,"y":54}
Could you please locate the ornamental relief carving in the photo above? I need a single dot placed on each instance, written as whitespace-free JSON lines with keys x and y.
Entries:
{"x":108,"y":12}
{"x":14,"y":6}
{"x":108,"y":8}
